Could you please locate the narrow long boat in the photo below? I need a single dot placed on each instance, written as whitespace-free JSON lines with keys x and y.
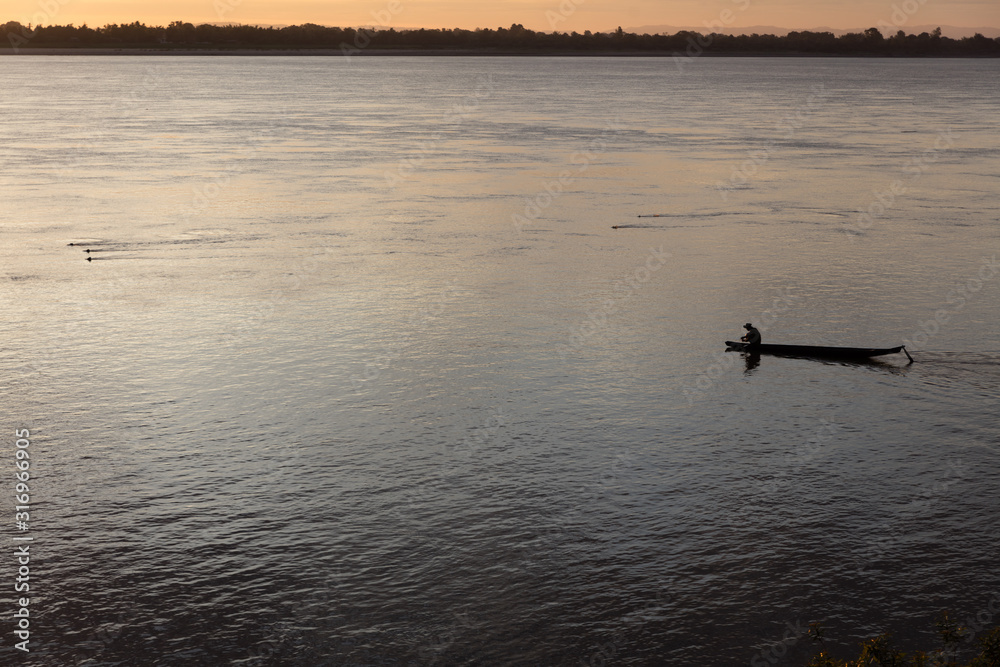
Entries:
{"x":824,"y":352}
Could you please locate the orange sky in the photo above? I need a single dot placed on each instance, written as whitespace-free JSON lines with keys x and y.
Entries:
{"x":546,"y":15}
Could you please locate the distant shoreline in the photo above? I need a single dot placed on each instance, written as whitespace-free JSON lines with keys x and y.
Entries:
{"x":43,"y":51}
{"x":186,"y":39}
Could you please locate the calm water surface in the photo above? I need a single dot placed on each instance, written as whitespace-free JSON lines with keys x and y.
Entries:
{"x":360,"y":371}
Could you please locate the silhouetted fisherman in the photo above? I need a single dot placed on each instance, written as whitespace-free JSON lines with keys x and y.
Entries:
{"x":753,"y":336}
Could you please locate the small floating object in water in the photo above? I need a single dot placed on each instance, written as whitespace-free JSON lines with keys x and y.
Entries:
{"x":653,"y":215}
{"x":90,"y":259}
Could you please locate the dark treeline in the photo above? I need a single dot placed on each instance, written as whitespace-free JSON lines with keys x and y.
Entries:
{"x":517,"y":38}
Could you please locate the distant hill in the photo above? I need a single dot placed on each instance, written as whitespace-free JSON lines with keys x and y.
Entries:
{"x":946,"y":30}
{"x":255,"y":25}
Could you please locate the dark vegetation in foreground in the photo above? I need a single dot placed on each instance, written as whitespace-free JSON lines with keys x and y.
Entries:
{"x":517,"y":39}
{"x":879,"y":652}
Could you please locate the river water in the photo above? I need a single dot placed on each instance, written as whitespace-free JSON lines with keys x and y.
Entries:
{"x":411,"y":361}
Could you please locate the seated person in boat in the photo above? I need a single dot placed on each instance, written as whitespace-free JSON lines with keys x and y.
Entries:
{"x":753,"y":336}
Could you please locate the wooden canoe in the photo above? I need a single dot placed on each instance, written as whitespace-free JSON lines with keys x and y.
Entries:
{"x":816,"y":350}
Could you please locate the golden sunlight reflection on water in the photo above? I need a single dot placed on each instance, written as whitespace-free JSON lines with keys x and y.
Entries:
{"x":363,"y":381}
